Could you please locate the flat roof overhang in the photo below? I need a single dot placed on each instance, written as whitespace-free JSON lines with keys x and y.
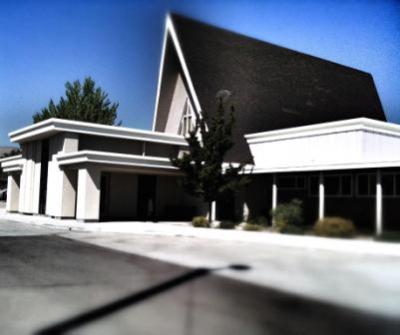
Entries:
{"x":115,"y":161}
{"x":12,"y":164}
{"x":53,"y":126}
{"x":359,"y":143}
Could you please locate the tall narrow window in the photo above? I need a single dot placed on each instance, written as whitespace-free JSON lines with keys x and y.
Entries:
{"x":186,"y":121}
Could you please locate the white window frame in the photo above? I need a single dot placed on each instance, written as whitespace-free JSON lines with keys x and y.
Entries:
{"x":370,"y":193}
{"x":340,"y":194}
{"x":186,"y":123}
{"x":296,"y":182}
{"x":394,"y":194}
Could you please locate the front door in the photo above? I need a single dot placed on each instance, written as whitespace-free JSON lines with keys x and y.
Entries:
{"x":44,"y":167}
{"x":146,"y":197}
{"x":105,"y":196}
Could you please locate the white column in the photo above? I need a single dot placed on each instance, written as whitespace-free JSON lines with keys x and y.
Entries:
{"x":61,"y":188}
{"x":378,"y":204}
{"x":213,"y":211}
{"x":144,"y":148}
{"x":12,"y":204}
{"x":274,"y":195}
{"x":88,"y":198}
{"x":274,"y":191}
{"x":321,"y":198}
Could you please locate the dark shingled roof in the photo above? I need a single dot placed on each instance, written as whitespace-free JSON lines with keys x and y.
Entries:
{"x":273,"y":87}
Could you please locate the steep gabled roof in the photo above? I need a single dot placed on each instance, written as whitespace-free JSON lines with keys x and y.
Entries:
{"x":273,"y":87}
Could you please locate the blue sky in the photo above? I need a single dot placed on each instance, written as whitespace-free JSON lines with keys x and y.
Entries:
{"x":45,"y":43}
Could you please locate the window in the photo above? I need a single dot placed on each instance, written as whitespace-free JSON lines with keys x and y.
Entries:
{"x":313,"y":185}
{"x":332,"y":185}
{"x":397,"y":185}
{"x":366,"y":184}
{"x":291,"y":182}
{"x":390,"y":181}
{"x":187,"y":120}
{"x":338,"y":185}
{"x":388,"y":184}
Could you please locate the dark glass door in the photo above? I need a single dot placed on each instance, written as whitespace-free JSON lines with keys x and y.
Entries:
{"x":105,"y":196}
{"x":44,"y":168}
{"x":146,"y":197}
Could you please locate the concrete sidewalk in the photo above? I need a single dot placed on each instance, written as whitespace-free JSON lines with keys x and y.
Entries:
{"x":364,"y":247}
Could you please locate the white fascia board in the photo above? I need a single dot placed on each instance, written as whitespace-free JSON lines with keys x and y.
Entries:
{"x":364,"y":124}
{"x":329,"y":167}
{"x":101,"y":157}
{"x":11,"y":164}
{"x":12,"y":169}
{"x":171,"y":31}
{"x":160,"y":72}
{"x":53,"y":125}
{"x":10,"y":158}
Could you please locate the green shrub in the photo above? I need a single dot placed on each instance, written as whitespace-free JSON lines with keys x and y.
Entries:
{"x":252,"y":227}
{"x":292,"y":229}
{"x":334,"y":227}
{"x":259,"y":220}
{"x":288,"y":217}
{"x":388,"y":236}
{"x":200,"y":222}
{"x":227,"y":224}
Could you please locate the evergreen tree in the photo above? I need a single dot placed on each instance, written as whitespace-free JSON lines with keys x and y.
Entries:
{"x":202,"y":166}
{"x":82,"y":103}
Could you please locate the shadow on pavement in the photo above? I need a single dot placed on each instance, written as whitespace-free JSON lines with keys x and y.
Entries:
{"x":132,"y":299}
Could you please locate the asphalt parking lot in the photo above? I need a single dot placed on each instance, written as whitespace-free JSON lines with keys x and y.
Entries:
{"x":46,"y":278}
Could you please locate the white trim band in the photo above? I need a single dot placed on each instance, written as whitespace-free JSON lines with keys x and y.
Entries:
{"x":52,"y":126}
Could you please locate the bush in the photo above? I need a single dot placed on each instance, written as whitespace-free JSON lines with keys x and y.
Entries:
{"x":226,"y":224}
{"x":200,"y":222}
{"x":288,"y":217}
{"x":292,"y":229}
{"x":259,"y":220}
{"x":252,"y":227}
{"x":334,"y":227}
{"x":389,"y":236}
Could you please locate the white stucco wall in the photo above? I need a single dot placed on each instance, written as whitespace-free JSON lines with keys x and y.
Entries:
{"x":383,"y":147}
{"x":357,"y":143}
{"x":13,"y":182}
{"x":176,"y":109}
{"x":61,"y":185}
{"x":30,"y":178}
{"x":88,"y":197}
{"x":309,"y":150}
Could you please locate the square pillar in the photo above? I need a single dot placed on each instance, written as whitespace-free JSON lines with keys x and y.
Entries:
{"x":321,"y":197}
{"x":274,"y":194}
{"x":378,"y":205}
{"x":88,"y":198}
{"x":213,"y":211}
{"x":274,"y":191}
{"x":12,"y":204}
{"x":61,"y":183}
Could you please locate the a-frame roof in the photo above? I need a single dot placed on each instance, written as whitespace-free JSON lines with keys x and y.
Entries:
{"x":273,"y":87}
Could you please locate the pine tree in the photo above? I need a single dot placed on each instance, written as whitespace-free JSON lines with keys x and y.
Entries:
{"x":81,"y":103}
{"x":202,"y":166}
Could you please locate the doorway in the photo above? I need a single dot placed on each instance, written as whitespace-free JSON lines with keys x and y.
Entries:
{"x":44,"y":169}
{"x":146,"y":209}
{"x":105,"y":196}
